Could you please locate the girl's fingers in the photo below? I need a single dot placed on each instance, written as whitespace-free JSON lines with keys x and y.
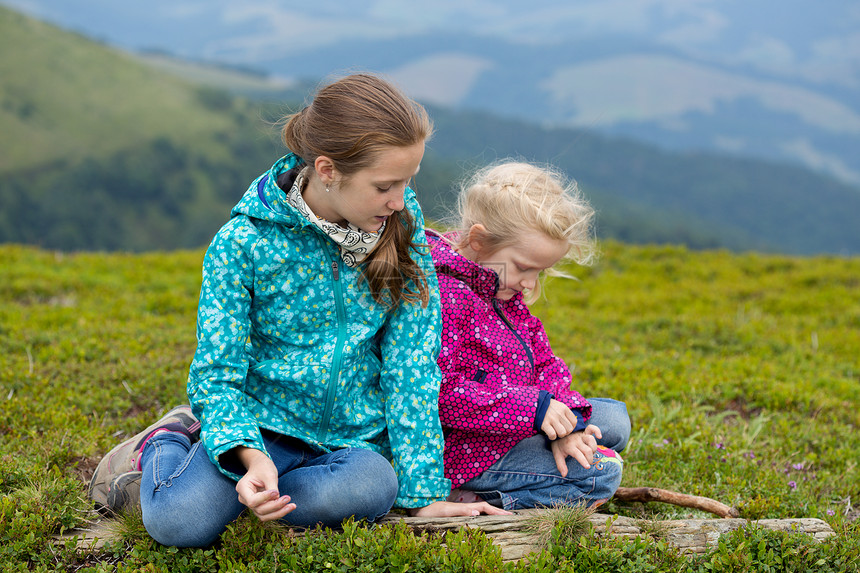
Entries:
{"x":268,"y":504}
{"x":261,"y":502}
{"x":568,"y":427}
{"x":561,"y":427}
{"x":593,"y":430}
{"x":583,"y":458}
{"x":255,"y":499}
{"x":275,"y":509}
{"x":251,"y":492}
{"x":488,"y":509}
{"x":474,"y":509}
{"x":560,"y":461}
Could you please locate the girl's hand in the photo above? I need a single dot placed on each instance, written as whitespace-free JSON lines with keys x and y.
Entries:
{"x":258,"y":488}
{"x":454,"y":509}
{"x":559,"y":420}
{"x":580,"y":446}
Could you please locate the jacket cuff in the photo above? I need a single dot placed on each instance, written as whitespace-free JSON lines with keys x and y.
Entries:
{"x":422,"y":491}
{"x":215,"y":449}
{"x":542,"y":404}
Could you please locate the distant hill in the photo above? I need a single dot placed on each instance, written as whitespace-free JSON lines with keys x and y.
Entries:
{"x":66,"y":97}
{"x":645,"y":194}
{"x":101,"y":149}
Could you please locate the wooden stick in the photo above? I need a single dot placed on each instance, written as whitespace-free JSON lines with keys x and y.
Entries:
{"x":681,"y":499}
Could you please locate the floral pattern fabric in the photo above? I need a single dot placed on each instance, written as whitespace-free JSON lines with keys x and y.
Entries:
{"x":291,"y":340}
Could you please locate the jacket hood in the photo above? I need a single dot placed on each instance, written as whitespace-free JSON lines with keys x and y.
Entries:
{"x":266,"y":200}
{"x":482,"y":281}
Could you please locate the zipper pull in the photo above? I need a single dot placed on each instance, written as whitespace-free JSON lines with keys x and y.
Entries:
{"x":334,"y":270}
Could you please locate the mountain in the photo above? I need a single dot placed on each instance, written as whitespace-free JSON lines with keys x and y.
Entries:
{"x":751,"y":79}
{"x":103,"y":149}
{"x":66,"y":97}
{"x":645,"y":194}
{"x":100,"y":151}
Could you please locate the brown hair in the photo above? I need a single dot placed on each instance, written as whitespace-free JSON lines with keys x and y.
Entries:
{"x":351,"y":121}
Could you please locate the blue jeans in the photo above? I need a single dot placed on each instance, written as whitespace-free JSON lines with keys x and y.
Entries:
{"x":187,"y":502}
{"x":527,"y":476}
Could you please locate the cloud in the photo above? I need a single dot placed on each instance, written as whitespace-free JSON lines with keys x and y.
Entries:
{"x":802,"y":149}
{"x":768,"y":53}
{"x":185,"y":10}
{"x":831,"y":60}
{"x":730,"y":143}
{"x":698,"y":28}
{"x":277,"y":30}
{"x":303,"y":26}
{"x":563,"y":21}
{"x":705,"y":26}
{"x":441,"y":79}
{"x":640,"y":88}
{"x":437,"y":14}
{"x":835,"y":59}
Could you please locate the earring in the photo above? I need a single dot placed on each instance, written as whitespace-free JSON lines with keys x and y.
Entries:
{"x":327,"y":189}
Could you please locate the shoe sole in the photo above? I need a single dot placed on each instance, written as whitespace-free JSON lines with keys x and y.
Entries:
{"x":124,"y":492}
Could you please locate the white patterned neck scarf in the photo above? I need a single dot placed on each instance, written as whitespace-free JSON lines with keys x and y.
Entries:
{"x":355,"y":245}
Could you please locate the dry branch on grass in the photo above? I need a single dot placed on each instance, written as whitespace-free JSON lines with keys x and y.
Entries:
{"x":646,"y":494}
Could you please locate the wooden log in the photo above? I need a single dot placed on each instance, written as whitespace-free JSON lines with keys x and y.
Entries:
{"x":646,"y":494}
{"x":517,"y":536}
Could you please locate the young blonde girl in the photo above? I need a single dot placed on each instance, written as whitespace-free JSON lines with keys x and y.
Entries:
{"x":516,"y":435}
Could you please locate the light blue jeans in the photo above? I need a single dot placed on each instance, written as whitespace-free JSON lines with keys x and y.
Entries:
{"x":187,"y":502}
{"x":527,"y":476}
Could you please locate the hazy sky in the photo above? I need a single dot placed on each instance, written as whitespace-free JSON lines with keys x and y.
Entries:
{"x":817,"y":41}
{"x":680,"y":67}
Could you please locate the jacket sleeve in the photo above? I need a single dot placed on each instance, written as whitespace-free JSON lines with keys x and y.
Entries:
{"x":410,"y":381}
{"x":553,"y":375}
{"x":216,"y":380}
{"x":475,"y":400}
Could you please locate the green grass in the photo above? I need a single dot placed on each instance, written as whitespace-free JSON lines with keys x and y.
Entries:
{"x":741,"y":374}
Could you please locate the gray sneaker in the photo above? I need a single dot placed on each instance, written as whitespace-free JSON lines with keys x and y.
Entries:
{"x":115,"y":485}
{"x":124,"y":492}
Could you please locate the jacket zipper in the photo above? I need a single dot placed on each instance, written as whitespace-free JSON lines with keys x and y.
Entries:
{"x":514,"y":330}
{"x":331,"y":391}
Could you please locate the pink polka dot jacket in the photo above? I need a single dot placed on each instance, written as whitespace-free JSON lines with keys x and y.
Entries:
{"x":497,"y":366}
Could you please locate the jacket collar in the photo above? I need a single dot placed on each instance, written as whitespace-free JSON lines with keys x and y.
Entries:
{"x":482,"y":281}
{"x":265,"y":200}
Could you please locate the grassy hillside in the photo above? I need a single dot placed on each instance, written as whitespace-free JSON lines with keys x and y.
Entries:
{"x":99,"y":151}
{"x":65,"y":97}
{"x":741,"y":374}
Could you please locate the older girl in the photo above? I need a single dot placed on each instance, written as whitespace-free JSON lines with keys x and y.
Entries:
{"x":318,"y":328}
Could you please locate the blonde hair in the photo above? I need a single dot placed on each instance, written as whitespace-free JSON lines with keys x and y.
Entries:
{"x":514,"y":198}
{"x":352,"y":121}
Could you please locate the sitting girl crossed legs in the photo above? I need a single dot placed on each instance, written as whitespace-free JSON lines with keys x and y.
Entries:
{"x":516,"y":435}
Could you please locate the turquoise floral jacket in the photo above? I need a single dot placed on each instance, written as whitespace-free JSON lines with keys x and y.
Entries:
{"x":289,"y":339}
